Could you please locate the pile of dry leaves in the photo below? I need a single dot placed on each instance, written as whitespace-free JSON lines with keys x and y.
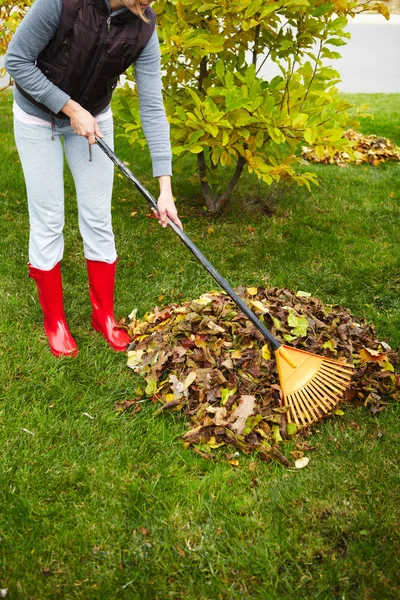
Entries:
{"x":369,"y":149}
{"x":206,"y":359}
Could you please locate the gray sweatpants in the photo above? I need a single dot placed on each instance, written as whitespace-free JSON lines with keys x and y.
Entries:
{"x":43,"y":164}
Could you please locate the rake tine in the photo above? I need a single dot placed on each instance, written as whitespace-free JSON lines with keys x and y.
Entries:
{"x":335,"y":387}
{"x":312,"y":407}
{"x":304,"y":406}
{"x":324,"y":399}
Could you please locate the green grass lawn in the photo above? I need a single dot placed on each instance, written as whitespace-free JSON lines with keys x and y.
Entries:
{"x":105,"y":506}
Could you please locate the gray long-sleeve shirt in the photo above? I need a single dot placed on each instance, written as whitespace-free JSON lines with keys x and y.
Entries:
{"x":32,"y":36}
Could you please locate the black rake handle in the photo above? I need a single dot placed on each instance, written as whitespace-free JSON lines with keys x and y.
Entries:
{"x":275,"y":344}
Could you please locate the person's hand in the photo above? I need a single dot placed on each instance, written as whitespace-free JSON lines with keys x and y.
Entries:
{"x":82,"y":122}
{"x":166,"y":208}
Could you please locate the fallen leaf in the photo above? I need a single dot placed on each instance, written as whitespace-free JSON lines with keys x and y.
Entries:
{"x":242,"y":412}
{"x":370,"y":355}
{"x":189,"y":380}
{"x":266,"y":352}
{"x":125,"y":404}
{"x":220,"y":413}
{"x":252,"y":291}
{"x":300,"y":463}
{"x":259,"y":305}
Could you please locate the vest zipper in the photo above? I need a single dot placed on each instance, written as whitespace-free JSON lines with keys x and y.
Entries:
{"x":93,"y":64}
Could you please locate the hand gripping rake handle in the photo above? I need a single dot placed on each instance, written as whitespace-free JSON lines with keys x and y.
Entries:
{"x":275,"y":344}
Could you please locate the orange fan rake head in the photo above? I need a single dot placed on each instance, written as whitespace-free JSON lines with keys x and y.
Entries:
{"x":312,"y":385}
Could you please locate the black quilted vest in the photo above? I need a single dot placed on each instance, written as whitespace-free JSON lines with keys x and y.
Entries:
{"x":91,"y":49}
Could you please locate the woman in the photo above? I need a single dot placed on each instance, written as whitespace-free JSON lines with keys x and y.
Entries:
{"x":65,"y":59}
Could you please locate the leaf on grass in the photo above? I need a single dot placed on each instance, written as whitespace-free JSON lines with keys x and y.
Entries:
{"x":300,"y":463}
{"x":151,"y":387}
{"x":125,"y":404}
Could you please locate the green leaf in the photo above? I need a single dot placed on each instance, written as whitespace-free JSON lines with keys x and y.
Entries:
{"x":310,"y":134}
{"x":322,"y":9}
{"x":195,"y":136}
{"x":151,"y":387}
{"x":229,"y":80}
{"x":196,"y":149}
{"x":226,"y":394}
{"x":220,"y":70}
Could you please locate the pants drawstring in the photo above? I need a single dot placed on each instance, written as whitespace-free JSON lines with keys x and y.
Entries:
{"x":53,"y":127}
{"x":90,"y":151}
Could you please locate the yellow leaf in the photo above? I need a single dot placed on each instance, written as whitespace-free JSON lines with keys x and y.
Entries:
{"x":252,"y":291}
{"x":237,"y":354}
{"x":259,"y":305}
{"x":387,"y":366}
{"x":235,"y":463}
{"x":302,"y":462}
{"x":189,"y":379}
{"x":265,"y":352}
{"x":134,"y":358}
{"x":212,"y":443}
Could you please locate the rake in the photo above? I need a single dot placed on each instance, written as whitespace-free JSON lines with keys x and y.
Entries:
{"x":312,"y":385}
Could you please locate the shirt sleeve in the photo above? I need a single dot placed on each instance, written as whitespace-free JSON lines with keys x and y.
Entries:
{"x":152,"y":112}
{"x":36,"y":30}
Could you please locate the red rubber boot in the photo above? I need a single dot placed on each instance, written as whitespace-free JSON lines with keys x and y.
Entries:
{"x":101,"y":289}
{"x":49,"y":286}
